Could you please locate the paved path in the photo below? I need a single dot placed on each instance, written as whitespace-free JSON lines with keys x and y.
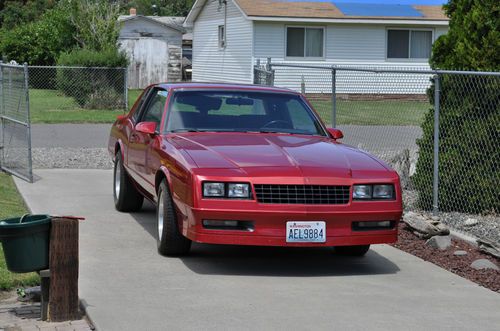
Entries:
{"x":70,"y":135}
{"x":126,"y":285}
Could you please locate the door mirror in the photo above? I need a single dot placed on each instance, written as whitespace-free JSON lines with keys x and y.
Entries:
{"x":121,"y":117}
{"x":335,"y":133}
{"x":146,"y":127}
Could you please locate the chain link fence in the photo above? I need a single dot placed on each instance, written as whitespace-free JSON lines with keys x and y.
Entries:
{"x":59,"y":88}
{"x":439,"y":129}
{"x":15,"y":131}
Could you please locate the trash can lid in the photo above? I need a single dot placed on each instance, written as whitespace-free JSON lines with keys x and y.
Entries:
{"x":24,"y":221}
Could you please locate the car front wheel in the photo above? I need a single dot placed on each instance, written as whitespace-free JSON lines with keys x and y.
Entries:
{"x":170,"y":241}
{"x":352,"y":250}
{"x":127,"y":198}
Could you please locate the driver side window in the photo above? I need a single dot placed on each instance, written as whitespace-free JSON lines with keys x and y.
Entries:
{"x":155,"y":107}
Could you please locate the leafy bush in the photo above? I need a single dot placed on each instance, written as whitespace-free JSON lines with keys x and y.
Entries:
{"x":39,"y":42}
{"x":89,"y":74}
{"x":469,"y":151}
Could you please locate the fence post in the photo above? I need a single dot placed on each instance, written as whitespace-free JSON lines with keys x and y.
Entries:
{"x":334,"y":97}
{"x":125,"y":88}
{"x":303,"y":85}
{"x":435,"y":181}
{"x":28,"y":122}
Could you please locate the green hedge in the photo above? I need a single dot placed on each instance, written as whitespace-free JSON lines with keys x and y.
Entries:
{"x":96,"y":83}
{"x":468,"y":144}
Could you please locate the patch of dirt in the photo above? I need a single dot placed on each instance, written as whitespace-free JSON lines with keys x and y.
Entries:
{"x":459,"y":265}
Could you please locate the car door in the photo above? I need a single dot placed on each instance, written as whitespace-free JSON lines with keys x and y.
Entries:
{"x":139,"y":142}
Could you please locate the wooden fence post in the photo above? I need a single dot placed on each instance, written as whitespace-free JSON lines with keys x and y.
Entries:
{"x":63,"y":265}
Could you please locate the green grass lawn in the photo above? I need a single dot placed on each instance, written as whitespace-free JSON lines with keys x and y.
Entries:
{"x":383,"y":112}
{"x":12,"y":205}
{"x":51,"y":106}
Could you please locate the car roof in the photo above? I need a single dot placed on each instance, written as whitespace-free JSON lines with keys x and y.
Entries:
{"x":218,"y":86}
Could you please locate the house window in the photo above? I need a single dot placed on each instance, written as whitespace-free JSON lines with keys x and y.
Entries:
{"x":409,"y":44}
{"x":304,"y":42}
{"x":222,"y":36}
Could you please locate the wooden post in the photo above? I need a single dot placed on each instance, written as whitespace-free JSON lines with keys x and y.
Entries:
{"x":63,"y":264}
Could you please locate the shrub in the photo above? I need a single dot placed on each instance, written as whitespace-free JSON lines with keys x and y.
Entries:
{"x":469,"y":151}
{"x":88,"y":73}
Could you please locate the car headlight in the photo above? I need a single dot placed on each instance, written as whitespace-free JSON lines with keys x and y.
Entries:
{"x":383,"y":192}
{"x":214,"y":190}
{"x":362,"y":192}
{"x":237,"y":190}
{"x":373,"y":192}
{"x":226,"y":190}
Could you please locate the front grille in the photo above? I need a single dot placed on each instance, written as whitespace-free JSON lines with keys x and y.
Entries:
{"x":302,"y":194}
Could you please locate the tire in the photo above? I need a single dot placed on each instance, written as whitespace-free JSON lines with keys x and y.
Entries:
{"x":126,"y":196}
{"x":170,"y":241}
{"x":352,"y":250}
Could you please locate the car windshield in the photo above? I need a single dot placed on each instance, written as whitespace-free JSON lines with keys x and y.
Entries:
{"x":240,"y":111}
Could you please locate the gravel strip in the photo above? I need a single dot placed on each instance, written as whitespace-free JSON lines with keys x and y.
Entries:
{"x":72,"y":158}
{"x":483,"y":227}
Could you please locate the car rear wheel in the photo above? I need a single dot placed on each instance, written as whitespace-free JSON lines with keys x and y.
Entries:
{"x":127,"y":198}
{"x":170,"y":241}
{"x":352,"y":250}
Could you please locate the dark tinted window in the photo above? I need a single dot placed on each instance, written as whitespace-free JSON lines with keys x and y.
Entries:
{"x":398,"y":44}
{"x":241,"y":111}
{"x":138,"y":109}
{"x":156,"y":105}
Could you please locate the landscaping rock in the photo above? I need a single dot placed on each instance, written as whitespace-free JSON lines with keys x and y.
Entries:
{"x":489,"y":247}
{"x":439,"y":242}
{"x":482,"y":264}
{"x":460,"y":253}
{"x":470,"y":222}
{"x":424,"y":225}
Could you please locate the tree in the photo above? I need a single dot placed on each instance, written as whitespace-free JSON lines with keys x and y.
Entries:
{"x":16,"y":12}
{"x":469,"y":113}
{"x":95,"y":23}
{"x":39,"y":42}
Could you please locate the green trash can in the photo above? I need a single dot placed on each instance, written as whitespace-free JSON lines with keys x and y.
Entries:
{"x":25,"y":242}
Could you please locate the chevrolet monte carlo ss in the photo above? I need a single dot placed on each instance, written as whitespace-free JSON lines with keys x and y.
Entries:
{"x":248,"y":165}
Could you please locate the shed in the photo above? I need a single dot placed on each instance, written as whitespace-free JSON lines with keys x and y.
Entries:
{"x":153,"y":45}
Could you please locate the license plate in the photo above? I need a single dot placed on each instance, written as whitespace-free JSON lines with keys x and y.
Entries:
{"x":305,"y":232}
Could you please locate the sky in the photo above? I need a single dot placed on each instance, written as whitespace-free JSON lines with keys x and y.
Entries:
{"x":397,"y":2}
{"x":394,"y":2}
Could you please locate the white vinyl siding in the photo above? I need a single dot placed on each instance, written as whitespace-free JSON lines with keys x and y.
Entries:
{"x":233,"y":63}
{"x":356,"y":43}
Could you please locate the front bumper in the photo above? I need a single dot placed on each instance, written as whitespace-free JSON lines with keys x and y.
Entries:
{"x":270,"y":226}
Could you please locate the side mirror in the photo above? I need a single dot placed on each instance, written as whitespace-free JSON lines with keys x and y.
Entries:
{"x":335,"y":133}
{"x":146,"y":127}
{"x":121,"y":117}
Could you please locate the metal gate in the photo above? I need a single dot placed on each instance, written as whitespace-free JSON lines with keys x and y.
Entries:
{"x":15,"y":130}
{"x":262,"y":74}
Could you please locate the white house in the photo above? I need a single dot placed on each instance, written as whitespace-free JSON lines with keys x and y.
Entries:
{"x":153,"y":45}
{"x":229,"y":36}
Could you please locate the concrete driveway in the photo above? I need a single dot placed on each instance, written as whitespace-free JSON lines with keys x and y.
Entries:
{"x":126,"y":285}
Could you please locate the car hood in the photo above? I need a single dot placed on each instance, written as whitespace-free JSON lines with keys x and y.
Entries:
{"x":310,"y":155}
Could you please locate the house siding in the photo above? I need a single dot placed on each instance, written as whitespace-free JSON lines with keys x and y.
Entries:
{"x":345,"y":45}
{"x":232,"y":64}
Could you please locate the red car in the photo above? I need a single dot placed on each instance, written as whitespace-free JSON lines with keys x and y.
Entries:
{"x":248,"y":165}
